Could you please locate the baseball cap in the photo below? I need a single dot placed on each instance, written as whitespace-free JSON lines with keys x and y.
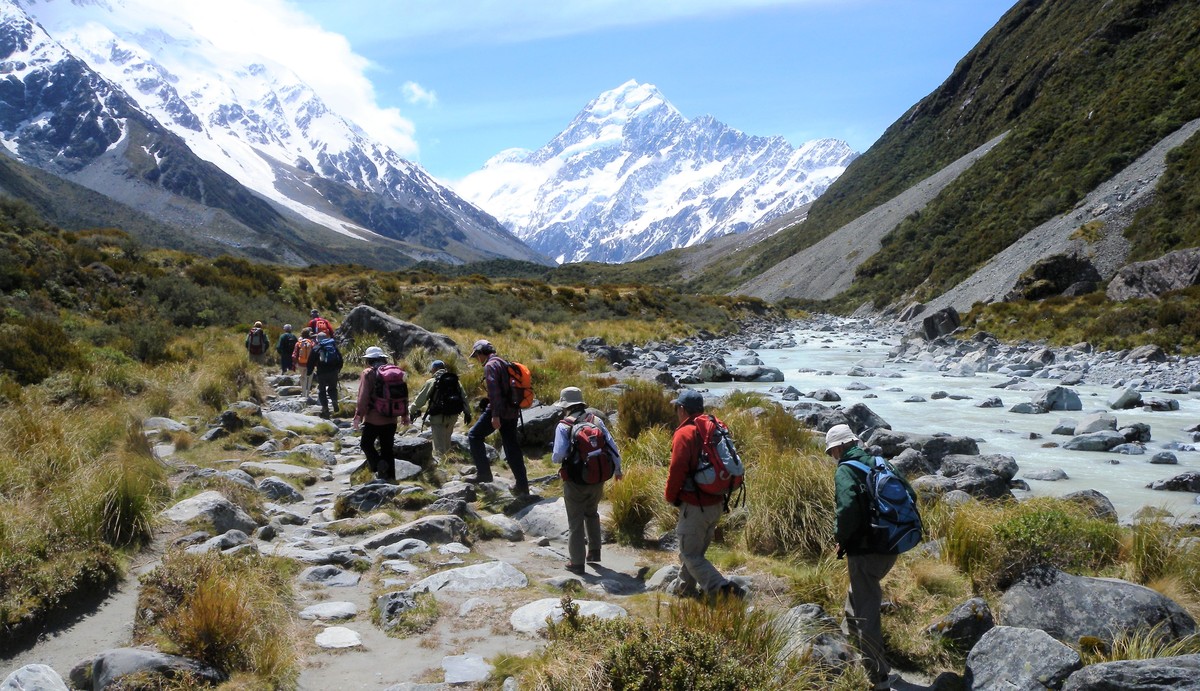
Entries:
{"x":482,"y":346}
{"x":690,"y":400}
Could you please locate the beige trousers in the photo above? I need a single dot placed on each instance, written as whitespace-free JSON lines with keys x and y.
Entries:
{"x":696,"y":527}
{"x":583,"y":517}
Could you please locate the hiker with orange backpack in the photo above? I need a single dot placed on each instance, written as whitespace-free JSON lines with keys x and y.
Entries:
{"x":699,"y":511}
{"x":588,"y":457}
{"x":382,"y":403}
{"x":501,"y":412}
{"x":301,"y":354}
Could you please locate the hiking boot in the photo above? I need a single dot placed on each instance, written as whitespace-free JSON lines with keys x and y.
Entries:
{"x":886,"y":684}
{"x":575,"y":568}
{"x":731,"y":589}
{"x":594,"y":557}
{"x":324,"y":414}
{"x":522,"y":491}
{"x":478,"y":480}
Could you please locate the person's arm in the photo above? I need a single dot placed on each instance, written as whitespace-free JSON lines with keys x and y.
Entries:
{"x":466,"y":403}
{"x":422,"y":398}
{"x":364,"y":397}
{"x":684,"y":447}
{"x":492,"y":372}
{"x":614,"y":451}
{"x":849,"y":513}
{"x":562,"y":443}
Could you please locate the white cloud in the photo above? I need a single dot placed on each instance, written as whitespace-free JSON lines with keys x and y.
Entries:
{"x":418,"y":95}
{"x":278,"y":31}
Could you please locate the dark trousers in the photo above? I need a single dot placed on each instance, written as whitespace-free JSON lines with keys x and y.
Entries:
{"x":327,"y":393}
{"x":512,"y":450}
{"x":377,"y":443}
{"x":285,"y":363}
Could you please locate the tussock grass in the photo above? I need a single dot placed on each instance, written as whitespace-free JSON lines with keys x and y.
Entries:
{"x":922,"y":591}
{"x":1143,"y":644}
{"x":644,"y":406}
{"x":231,"y":612}
{"x":637,"y":499}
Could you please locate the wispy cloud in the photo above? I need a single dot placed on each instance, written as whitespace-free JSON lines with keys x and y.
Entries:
{"x":417,"y":95}
{"x":505,"y":21}
{"x":281,"y":32}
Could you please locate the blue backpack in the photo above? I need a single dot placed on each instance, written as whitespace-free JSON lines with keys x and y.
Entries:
{"x":895,"y":522}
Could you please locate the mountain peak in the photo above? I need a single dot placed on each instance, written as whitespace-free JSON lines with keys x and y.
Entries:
{"x":627,"y":100}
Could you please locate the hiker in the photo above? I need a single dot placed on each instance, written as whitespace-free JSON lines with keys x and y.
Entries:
{"x":446,"y":399}
{"x":301,"y":355}
{"x":866,"y":567}
{"x":326,"y":361}
{"x":257,"y":343}
{"x":285,"y":347}
{"x":588,"y":456}
{"x":698,"y":512}
{"x":317,"y":323}
{"x":498,"y":413}
{"x":378,"y":421}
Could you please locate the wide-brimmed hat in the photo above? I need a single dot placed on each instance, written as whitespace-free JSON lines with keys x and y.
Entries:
{"x":690,"y":400}
{"x":482,"y":346}
{"x":838,"y":435}
{"x":569,"y":397}
{"x":374,"y":353}
{"x":258,"y":325}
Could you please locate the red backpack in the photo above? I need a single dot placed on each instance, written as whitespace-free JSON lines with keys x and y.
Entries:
{"x":390,"y":394}
{"x":588,"y":462}
{"x":256,"y":342}
{"x":719,"y":470}
{"x":321,"y":324}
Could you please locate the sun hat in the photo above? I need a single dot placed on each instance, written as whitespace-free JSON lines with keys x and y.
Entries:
{"x":436,"y":365}
{"x":570,"y":396}
{"x":690,"y":400}
{"x":838,"y":435}
{"x":482,"y":346}
{"x":374,"y":353}
{"x":258,"y":325}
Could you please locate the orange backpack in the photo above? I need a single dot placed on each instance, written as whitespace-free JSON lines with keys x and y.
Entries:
{"x":304,"y":348}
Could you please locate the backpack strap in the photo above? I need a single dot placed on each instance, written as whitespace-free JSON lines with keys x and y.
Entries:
{"x":857,"y":464}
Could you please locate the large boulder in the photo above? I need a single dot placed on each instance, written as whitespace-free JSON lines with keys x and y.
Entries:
{"x":1051,"y":276}
{"x":1058,"y":398}
{"x":1096,"y":422}
{"x":1100,"y":506}
{"x":863,"y":420}
{"x":933,"y":447}
{"x":1178,"y":673}
{"x":1152,"y":278}
{"x":110,"y":666}
{"x":538,"y":423}
{"x":211,"y":507}
{"x":545,"y":519}
{"x":1019,"y":659}
{"x":1184,"y":482}
{"x":1104,"y":440}
{"x":965,"y":624}
{"x":813,"y":636}
{"x":817,"y":417}
{"x":940,"y":323}
{"x":533,"y":617}
{"x":1071,"y":607}
{"x":434,"y":529}
{"x":492,"y":575}
{"x":399,"y":336}
{"x":33,"y":678}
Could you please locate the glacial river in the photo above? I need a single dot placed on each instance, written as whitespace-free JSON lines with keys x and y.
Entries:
{"x":1122,"y":478}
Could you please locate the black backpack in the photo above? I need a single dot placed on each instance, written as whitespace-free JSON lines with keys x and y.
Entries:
{"x":328,"y":354}
{"x":446,"y":396}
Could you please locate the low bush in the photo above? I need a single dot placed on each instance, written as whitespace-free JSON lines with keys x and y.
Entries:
{"x":643,"y":406}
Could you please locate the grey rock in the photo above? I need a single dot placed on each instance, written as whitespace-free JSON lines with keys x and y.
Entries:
{"x":545,"y":519}
{"x":539,"y":423}
{"x":1147,"y":353}
{"x":1126,"y":399}
{"x":1019,"y":659}
{"x":330,"y":575}
{"x":214,"y":433}
{"x":1164,"y":458}
{"x":1005,"y":467}
{"x":1096,"y":441}
{"x":1096,"y":422}
{"x":431,"y":529}
{"x":465,"y":669}
{"x":990,"y":402}
{"x":825,"y":396}
{"x":1129,"y":449}
{"x":1178,"y":673}
{"x":1099,"y":505}
{"x":452,"y":507}
{"x":1026,"y":408}
{"x":1152,"y":278}
{"x":1184,"y":482}
{"x":366,"y":498}
{"x":494,"y":575}
{"x":33,"y":678}
{"x":112,"y":665}
{"x":940,"y":323}
{"x":1071,"y":607}
{"x":316,"y":451}
{"x":911,"y":464}
{"x":211,"y":507}
{"x":813,"y":636}
{"x":163,"y":424}
{"x":965,"y":624}
{"x":1065,"y":427}
{"x":392,"y":605}
{"x":398,"y":336}
{"x":1136,"y":432}
{"x":1058,"y":398}
{"x":330,"y":611}
{"x":279,"y":490}
{"x":531,"y":618}
{"x":863,"y":420}
{"x":509,"y":528}
{"x":1047,"y":475}
{"x":1159,"y":405}
{"x":404,"y":549}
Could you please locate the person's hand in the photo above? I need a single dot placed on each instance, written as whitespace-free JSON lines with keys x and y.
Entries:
{"x":354,"y":424}
{"x":618,"y":475}
{"x":495,"y":422}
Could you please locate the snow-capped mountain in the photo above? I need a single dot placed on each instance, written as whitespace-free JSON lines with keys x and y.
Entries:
{"x":631,"y":177}
{"x":254,"y":121}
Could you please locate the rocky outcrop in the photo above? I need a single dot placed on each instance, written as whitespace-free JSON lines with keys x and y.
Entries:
{"x":965,"y":624}
{"x":1178,"y":673}
{"x":940,"y":323}
{"x":109,"y":667}
{"x":1052,"y":276}
{"x":1072,"y":607}
{"x":399,"y":336}
{"x":1150,"y":279}
{"x":1019,"y":659}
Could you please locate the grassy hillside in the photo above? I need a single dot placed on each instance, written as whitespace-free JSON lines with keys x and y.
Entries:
{"x":1084,"y":88}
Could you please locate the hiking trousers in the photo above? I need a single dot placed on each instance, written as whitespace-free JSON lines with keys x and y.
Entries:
{"x":441,"y":429}
{"x":583,"y":517}
{"x":863,"y":623}
{"x":512,"y":451}
{"x":377,"y":443}
{"x":327,"y":390}
{"x":695,"y":530}
{"x":285,"y":363}
{"x":306,"y":382}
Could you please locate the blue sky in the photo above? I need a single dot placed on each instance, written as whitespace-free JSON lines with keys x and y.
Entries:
{"x":470,"y":78}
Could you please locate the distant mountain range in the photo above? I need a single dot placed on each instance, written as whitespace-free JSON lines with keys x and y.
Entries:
{"x":225,"y":153}
{"x":631,"y":177}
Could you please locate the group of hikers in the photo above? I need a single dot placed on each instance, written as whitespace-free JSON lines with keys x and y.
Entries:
{"x":703,"y":470}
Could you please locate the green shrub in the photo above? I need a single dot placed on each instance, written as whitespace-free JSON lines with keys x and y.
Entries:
{"x":644,"y":406}
{"x":33,"y":348}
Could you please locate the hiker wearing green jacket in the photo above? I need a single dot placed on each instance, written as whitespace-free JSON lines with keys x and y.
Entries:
{"x":284,"y":346}
{"x":444,"y":399}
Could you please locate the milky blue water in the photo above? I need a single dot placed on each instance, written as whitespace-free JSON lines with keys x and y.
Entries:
{"x":1122,"y":478}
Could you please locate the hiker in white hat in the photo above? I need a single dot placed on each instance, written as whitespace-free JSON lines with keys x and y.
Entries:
{"x":382,"y":403}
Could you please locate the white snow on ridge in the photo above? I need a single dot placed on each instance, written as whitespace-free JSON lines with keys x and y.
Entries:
{"x":631,"y":177}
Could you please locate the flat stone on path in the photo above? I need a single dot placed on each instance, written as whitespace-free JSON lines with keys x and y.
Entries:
{"x":465,"y":669}
{"x":331,"y":576}
{"x":304,"y":424}
{"x":531,"y":618}
{"x":493,"y":575}
{"x":212,"y":506}
{"x":545,"y":519}
{"x":281,"y":469}
{"x":330,"y":610}
{"x":317,"y":451}
{"x":336,"y":637}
